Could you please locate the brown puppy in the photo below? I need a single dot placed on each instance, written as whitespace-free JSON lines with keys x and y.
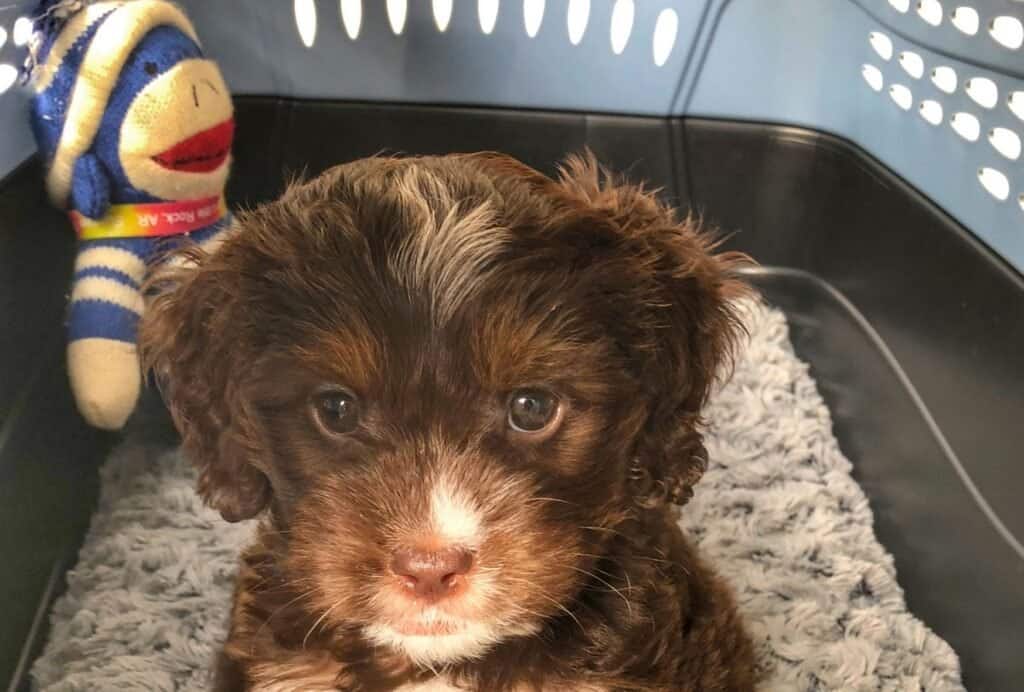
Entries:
{"x":466,"y":400}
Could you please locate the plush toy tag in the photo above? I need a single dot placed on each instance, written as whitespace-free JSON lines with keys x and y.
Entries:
{"x":158,"y":219}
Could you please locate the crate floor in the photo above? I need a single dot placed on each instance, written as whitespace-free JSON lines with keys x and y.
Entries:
{"x":778,"y":514}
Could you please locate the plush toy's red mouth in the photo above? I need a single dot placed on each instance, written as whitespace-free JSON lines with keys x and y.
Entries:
{"x":202,"y":152}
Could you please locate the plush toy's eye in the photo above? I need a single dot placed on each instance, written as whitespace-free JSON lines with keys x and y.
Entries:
{"x":151,"y":68}
{"x":534,"y":411}
{"x":337,"y":410}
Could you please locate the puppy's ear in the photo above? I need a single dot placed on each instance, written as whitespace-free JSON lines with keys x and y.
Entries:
{"x":681,"y":305}
{"x":188,"y":336}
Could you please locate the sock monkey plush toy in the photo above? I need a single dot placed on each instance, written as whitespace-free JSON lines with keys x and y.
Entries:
{"x":134,"y":126}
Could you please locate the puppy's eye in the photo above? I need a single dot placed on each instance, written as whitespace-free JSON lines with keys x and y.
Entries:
{"x":151,"y":68}
{"x":337,"y":410}
{"x":533,"y":411}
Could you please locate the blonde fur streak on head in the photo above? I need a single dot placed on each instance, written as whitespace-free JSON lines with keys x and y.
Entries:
{"x":452,"y":245}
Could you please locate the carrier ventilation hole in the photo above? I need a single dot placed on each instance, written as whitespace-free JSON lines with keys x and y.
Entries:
{"x":21,"y":31}
{"x":352,"y":17}
{"x":900,"y":5}
{"x":3,"y":36}
{"x":901,"y":96}
{"x":1007,"y":32}
{"x":931,"y":111}
{"x":665,"y":29}
{"x":487,"y":10}
{"x":8,"y":76}
{"x":912,"y":64}
{"x":577,"y":17}
{"x":966,"y":20}
{"x":966,"y":125}
{"x":305,"y":21}
{"x":396,"y":15}
{"x":873,"y":76}
{"x":622,"y":24}
{"x":1006,"y":142}
{"x":930,"y":11}
{"x":533,"y":15}
{"x":944,"y":78}
{"x":983,"y":91}
{"x":882,"y":44}
{"x":443,"y":13}
{"x":1016,"y":103}
{"x":995,"y":183}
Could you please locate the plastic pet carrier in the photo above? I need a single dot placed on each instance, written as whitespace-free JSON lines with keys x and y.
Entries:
{"x":867,"y":153}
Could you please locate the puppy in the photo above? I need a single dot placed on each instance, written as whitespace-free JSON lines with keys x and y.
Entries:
{"x":465,"y":399}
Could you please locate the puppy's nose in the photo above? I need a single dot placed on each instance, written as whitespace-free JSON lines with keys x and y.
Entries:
{"x":432,"y":574}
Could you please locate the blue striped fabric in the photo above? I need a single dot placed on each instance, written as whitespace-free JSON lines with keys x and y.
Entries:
{"x":107,"y":273}
{"x":90,"y":318}
{"x":97,"y":318}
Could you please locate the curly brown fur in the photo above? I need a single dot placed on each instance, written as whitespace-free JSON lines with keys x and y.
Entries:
{"x":431,"y":289}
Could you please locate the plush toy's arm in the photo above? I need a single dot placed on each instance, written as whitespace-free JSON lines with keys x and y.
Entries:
{"x":90,"y":187}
